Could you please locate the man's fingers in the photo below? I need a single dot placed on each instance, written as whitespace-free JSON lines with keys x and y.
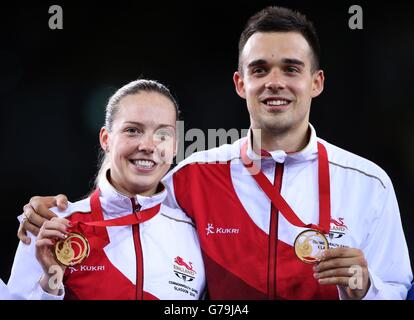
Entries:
{"x":62,"y":202}
{"x":340,"y":253}
{"x":338,"y":272}
{"x":32,"y":217}
{"x":48,"y":201}
{"x":345,"y":277}
{"x":21,"y":234}
{"x":339,"y":281}
{"x":346,"y":267}
{"x":338,"y":263}
{"x":41,"y":205}
{"x":30,"y":227}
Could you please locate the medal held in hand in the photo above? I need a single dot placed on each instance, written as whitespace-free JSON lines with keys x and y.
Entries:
{"x":309,"y":244}
{"x":73,"y":250}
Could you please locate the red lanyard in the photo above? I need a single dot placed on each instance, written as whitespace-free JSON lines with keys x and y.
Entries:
{"x":130,"y":219}
{"x":99,"y":240}
{"x":279,"y":202}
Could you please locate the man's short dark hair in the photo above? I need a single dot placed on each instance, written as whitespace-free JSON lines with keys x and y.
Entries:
{"x":279,"y":19}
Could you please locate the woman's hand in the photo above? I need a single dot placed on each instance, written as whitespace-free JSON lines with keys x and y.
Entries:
{"x":51,"y":232}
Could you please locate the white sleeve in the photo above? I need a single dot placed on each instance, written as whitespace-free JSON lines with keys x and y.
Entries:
{"x":26,"y":273}
{"x":386,"y":252}
{"x":39,"y":294}
{"x":168,"y":182}
{"x":4,"y":291}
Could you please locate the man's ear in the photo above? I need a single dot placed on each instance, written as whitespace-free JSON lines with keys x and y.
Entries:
{"x":104,"y":139}
{"x":317,"y":83}
{"x":239,"y":84}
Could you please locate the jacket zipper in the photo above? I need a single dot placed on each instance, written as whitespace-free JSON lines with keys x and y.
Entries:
{"x":138,"y":255}
{"x":273,"y":236}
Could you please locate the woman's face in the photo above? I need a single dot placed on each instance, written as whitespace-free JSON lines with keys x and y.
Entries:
{"x":142,"y":143}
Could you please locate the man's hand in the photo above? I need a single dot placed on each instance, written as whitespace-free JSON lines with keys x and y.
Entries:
{"x":344,"y":267}
{"x":36,"y":212}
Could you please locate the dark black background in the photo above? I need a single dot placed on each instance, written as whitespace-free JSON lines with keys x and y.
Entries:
{"x":54,"y":85}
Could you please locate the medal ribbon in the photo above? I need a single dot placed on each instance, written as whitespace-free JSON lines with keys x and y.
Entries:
{"x":279,"y":202}
{"x":131,"y":219}
{"x":99,"y":241}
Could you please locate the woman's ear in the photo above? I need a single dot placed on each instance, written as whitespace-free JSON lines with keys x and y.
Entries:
{"x":104,"y":139}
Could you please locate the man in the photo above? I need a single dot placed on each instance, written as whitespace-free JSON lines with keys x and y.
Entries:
{"x":269,"y":205}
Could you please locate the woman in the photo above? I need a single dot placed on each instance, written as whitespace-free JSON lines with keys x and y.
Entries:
{"x":4,"y":292}
{"x":133,"y":245}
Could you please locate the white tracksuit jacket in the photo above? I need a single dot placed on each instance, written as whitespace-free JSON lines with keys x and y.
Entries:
{"x":248,"y":246}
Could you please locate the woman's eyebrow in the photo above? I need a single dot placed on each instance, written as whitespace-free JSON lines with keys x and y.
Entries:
{"x":133,"y":122}
{"x":162,"y":125}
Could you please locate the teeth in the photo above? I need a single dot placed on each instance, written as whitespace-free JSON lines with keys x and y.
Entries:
{"x":277,"y":102}
{"x":147,"y":164}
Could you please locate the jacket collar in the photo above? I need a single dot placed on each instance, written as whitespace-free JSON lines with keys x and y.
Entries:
{"x":116,"y":204}
{"x":309,"y":152}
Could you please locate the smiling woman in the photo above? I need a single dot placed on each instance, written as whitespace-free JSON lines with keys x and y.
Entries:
{"x":122,"y":242}
{"x":139,"y":140}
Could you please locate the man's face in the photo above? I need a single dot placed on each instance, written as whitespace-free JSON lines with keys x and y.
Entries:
{"x":277,"y":81}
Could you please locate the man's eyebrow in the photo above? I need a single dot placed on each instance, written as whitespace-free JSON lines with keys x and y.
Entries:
{"x":255,"y":63}
{"x":293,"y":61}
{"x":262,"y":62}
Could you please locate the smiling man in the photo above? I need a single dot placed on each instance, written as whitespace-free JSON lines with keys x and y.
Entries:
{"x":291,"y":188}
{"x":283,"y":214}
{"x":278,"y":76}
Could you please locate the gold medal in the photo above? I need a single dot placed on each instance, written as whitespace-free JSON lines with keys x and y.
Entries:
{"x":73,"y":250}
{"x":309,"y":244}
